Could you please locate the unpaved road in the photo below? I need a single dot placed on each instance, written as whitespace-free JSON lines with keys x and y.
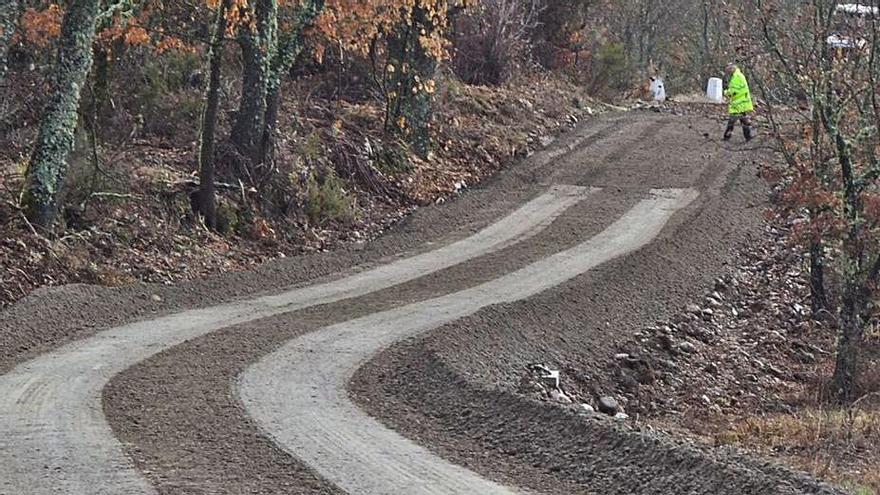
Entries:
{"x":249,"y":396}
{"x":298,"y":393}
{"x":52,"y":413}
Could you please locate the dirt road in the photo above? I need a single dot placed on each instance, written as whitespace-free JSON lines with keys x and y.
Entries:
{"x":249,"y":396}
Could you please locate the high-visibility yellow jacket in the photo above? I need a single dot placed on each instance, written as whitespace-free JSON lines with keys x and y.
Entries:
{"x":738,"y":94}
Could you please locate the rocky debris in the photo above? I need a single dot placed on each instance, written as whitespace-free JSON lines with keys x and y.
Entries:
{"x":544,"y":384}
{"x":560,"y":396}
{"x":608,"y":405}
{"x":748,"y":348}
{"x":687,"y":347}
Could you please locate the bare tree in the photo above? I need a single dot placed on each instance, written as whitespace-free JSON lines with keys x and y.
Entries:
{"x":821,"y":51}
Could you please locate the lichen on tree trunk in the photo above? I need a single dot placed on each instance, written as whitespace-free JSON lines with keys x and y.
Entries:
{"x":258,"y":46}
{"x":409,"y":110}
{"x":48,"y":164}
{"x":289,"y":49}
{"x":9,"y":10}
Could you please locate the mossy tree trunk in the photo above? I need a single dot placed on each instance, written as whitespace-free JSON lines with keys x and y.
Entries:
{"x":409,"y":104}
{"x":207,"y":203}
{"x":258,"y":47}
{"x":9,"y":10}
{"x":288,"y":51}
{"x":48,"y":164}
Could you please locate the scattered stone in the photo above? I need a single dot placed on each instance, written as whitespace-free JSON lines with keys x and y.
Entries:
{"x":711,"y":368}
{"x":560,"y":396}
{"x":778,"y":373}
{"x":550,"y":378}
{"x":588,"y":409}
{"x":608,"y":405}
{"x":687,"y":347}
{"x":621,"y":416}
{"x":693,"y":308}
{"x":156,"y":298}
{"x":807,"y":357}
{"x":546,"y":140}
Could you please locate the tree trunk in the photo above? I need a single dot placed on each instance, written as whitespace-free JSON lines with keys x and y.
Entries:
{"x":410,"y":110}
{"x":258,"y":48}
{"x":850,"y":341}
{"x":288,"y":51}
{"x":818,"y":298}
{"x":48,"y":164}
{"x":207,"y":201}
{"x":9,"y":10}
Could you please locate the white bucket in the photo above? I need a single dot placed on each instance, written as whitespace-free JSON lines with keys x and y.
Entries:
{"x":715,"y":89}
{"x":658,"y":90}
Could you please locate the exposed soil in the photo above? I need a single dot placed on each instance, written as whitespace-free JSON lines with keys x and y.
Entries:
{"x":748,"y":366}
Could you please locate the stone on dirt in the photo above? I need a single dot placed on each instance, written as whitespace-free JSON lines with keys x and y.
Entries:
{"x":560,"y":396}
{"x":608,"y":405}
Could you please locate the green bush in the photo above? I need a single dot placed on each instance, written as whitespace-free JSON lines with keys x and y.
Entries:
{"x":327,"y":199}
{"x":610,"y":69}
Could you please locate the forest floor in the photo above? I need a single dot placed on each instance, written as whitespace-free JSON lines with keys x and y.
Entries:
{"x":130,"y":218}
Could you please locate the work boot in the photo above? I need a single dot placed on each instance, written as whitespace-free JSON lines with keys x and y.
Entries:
{"x":747,"y":129}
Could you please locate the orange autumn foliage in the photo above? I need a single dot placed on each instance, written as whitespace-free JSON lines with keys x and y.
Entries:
{"x":41,"y":27}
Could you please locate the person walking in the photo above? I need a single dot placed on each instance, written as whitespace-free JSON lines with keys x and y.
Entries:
{"x":740,"y":104}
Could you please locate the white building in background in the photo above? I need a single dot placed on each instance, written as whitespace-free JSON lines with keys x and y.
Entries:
{"x":858,"y":10}
{"x":845,"y":38}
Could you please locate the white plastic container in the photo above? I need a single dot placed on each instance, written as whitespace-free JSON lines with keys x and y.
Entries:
{"x":715,"y":90}
{"x":658,"y":89}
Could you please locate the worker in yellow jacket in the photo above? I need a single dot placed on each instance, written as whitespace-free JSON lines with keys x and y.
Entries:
{"x":740,"y":104}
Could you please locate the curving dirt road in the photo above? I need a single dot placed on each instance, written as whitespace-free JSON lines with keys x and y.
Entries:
{"x":298,"y":393}
{"x":51,"y":414}
{"x":623,"y":221}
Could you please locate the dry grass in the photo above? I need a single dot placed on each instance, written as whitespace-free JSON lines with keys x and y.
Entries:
{"x":840,"y":445}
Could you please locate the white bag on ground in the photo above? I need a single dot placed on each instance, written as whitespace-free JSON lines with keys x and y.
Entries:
{"x":658,"y":89}
{"x":715,"y":90}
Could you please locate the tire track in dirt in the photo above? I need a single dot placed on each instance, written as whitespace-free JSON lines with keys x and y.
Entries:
{"x":53,"y":434}
{"x":298,"y":394}
{"x":214,"y":445}
{"x":459,"y":389}
{"x":616,"y":146}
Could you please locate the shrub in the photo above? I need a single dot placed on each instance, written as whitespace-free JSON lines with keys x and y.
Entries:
{"x":610,"y":69}
{"x":327,"y":199}
{"x":492,"y":43}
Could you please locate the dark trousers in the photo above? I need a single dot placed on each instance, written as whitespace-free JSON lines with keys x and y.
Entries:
{"x":746,"y":121}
